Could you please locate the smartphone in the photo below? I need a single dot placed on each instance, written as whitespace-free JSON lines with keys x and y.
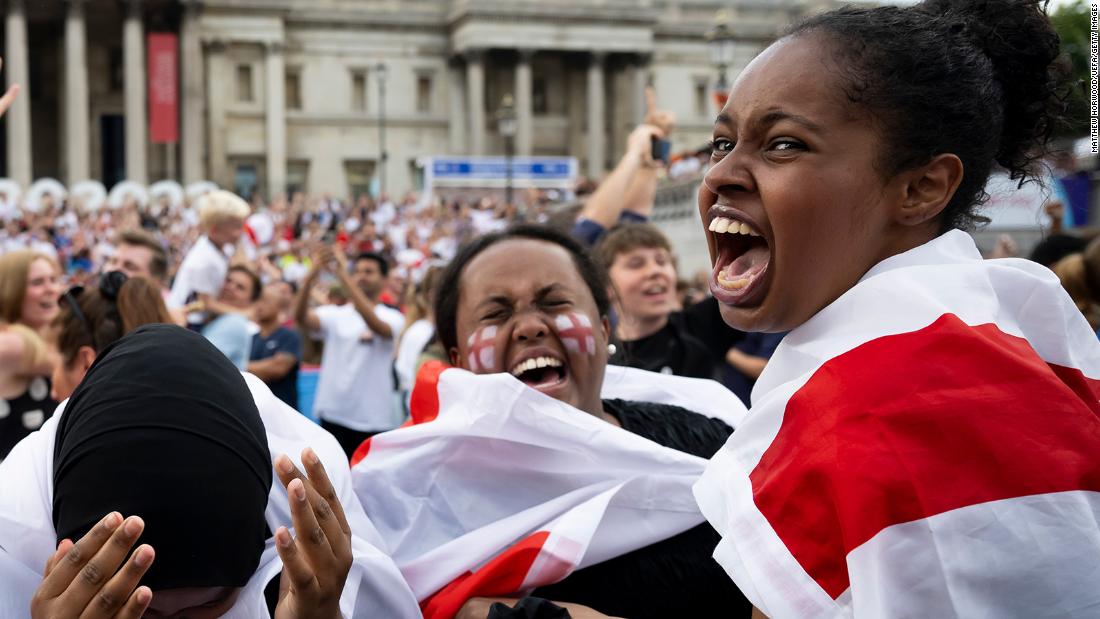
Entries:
{"x":661,"y":149}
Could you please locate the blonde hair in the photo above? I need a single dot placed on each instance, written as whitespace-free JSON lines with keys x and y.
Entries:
{"x":14,"y":268}
{"x":220,"y":206}
{"x":34,"y":349}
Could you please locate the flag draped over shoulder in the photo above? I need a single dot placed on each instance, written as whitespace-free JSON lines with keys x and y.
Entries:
{"x":928,"y":445}
{"x":27,"y":538}
{"x":495,"y":488}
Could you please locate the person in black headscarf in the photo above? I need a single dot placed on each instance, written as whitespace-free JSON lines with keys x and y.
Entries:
{"x":164,"y":427}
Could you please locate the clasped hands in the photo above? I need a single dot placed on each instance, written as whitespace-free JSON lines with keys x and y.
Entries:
{"x":84,"y":579}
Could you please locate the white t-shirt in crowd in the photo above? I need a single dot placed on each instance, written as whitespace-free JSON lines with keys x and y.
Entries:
{"x":202,"y":271}
{"x":355,"y":389}
{"x":412,"y":344}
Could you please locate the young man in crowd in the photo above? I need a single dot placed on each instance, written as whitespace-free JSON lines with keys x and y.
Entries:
{"x":355,"y":391}
{"x":276,"y":350}
{"x":231,"y":332}
{"x":203,"y":270}
{"x":139,"y":254}
{"x":654,"y":332}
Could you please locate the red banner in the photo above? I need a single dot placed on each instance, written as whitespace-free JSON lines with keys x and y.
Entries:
{"x":163,"y":54}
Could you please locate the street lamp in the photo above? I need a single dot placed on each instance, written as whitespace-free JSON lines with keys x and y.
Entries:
{"x":721,"y":41}
{"x":506,"y":125}
{"x":380,"y":71}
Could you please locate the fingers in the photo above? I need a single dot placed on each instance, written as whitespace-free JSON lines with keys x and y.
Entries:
{"x":296,"y":569}
{"x":8,"y":98}
{"x":323,"y":511}
{"x":62,"y":548}
{"x":118,"y":595}
{"x":94,"y":575}
{"x":650,"y":101}
{"x":318,"y":478}
{"x":77,"y":555}
{"x":136,"y":605}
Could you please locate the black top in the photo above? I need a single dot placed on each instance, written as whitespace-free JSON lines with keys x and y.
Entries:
{"x":25,"y":413}
{"x":280,"y":340}
{"x":676,"y":577}
{"x":694,"y":343}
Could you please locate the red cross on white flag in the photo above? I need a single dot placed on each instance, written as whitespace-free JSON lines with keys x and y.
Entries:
{"x":482,"y":355}
{"x":575,"y":331}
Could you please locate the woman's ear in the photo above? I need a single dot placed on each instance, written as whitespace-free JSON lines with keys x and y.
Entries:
{"x":85,"y":357}
{"x":605,"y":324}
{"x":456,"y":358}
{"x":928,"y":189}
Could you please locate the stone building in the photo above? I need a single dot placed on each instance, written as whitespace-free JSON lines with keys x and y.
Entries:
{"x":278,"y":94}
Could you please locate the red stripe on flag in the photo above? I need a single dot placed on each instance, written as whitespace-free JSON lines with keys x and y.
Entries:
{"x":423,"y":403}
{"x":502,"y":576}
{"x":912,"y":425}
{"x":360,"y":452}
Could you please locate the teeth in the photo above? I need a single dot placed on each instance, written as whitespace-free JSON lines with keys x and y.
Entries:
{"x":733,"y":284}
{"x":725,"y":225}
{"x":535,"y":363}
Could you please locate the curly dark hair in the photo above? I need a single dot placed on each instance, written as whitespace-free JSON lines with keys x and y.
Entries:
{"x":982,"y":79}
{"x":447,"y":292}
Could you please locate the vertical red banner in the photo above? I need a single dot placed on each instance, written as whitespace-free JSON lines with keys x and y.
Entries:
{"x":163,"y":58}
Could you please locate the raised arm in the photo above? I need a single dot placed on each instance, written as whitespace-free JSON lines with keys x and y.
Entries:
{"x":306,"y":318}
{"x":362,"y":303}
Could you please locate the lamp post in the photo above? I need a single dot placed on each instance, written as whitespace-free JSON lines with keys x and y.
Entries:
{"x":380,"y":70}
{"x":721,"y":40}
{"x":506,"y":125}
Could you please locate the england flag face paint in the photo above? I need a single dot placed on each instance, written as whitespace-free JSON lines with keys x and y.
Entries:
{"x":481,"y":354}
{"x":575,"y":331}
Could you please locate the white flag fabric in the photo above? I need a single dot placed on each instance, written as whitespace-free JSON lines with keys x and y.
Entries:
{"x":928,"y":445}
{"x":375,"y":588}
{"x":495,"y":488}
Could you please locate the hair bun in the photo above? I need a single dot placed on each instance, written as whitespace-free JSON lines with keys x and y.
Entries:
{"x":1024,"y":49}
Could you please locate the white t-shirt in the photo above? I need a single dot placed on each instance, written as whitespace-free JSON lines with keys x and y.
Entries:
{"x":408,"y":352}
{"x":202,"y":271}
{"x":356,"y":388}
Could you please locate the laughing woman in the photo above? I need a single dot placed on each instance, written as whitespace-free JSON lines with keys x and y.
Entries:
{"x":924,"y":441}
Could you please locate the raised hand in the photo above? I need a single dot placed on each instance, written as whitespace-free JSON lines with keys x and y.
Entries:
{"x":9,"y":96}
{"x":662,"y":119}
{"x":84,"y":580}
{"x":317,"y":562}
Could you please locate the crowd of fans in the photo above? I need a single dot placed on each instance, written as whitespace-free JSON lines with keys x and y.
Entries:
{"x":367,"y":292}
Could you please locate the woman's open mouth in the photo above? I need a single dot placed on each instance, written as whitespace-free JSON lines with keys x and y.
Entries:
{"x":543,"y":373}
{"x":742,"y":256}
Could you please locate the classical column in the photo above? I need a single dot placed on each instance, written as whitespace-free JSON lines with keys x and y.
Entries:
{"x":457,"y":110}
{"x":19,"y":115}
{"x":275,"y":99}
{"x":215,"y":105}
{"x":76,"y":143}
{"x":133,"y":52}
{"x":639,"y":78}
{"x":475,"y":92}
{"x":524,"y":112}
{"x":597,"y":140}
{"x":191,"y":130}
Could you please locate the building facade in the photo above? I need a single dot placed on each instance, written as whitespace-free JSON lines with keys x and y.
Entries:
{"x":278,"y":95}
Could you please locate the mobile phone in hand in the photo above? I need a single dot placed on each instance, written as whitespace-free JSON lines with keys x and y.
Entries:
{"x":661,"y":149}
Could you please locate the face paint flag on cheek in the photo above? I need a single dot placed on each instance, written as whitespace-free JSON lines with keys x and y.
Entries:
{"x":482,"y":352}
{"x":575,"y":331}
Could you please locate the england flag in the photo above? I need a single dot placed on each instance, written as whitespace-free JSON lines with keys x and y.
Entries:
{"x":494,"y":488}
{"x":928,"y":445}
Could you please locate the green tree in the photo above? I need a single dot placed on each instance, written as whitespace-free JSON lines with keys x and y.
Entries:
{"x":1073,"y":25}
